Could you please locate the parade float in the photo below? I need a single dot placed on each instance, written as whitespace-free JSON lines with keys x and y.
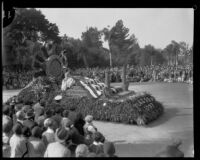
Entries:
{"x":87,"y":95}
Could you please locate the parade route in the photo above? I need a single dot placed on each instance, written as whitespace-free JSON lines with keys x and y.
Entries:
{"x":176,"y":122}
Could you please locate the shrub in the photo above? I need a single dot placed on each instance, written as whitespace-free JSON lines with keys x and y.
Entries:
{"x":133,"y":108}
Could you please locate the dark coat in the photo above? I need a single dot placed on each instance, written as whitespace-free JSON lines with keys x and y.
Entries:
{"x":79,"y":123}
{"x":58,"y":119}
{"x":29,"y":123}
{"x":76,"y":137}
{"x":73,"y":116}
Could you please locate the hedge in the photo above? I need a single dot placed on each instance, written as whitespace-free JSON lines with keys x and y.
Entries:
{"x":140,"y":109}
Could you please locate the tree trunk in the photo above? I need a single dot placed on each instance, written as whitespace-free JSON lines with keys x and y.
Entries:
{"x":110,"y":60}
{"x":107,"y":78}
{"x":85,"y":61}
{"x":124,"y":83}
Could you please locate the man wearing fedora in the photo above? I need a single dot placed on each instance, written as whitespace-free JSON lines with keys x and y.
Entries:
{"x":58,"y":148}
{"x":29,"y":122}
{"x":19,"y":118}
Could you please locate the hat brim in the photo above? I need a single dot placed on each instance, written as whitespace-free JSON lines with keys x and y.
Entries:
{"x":29,"y":116}
{"x":58,"y":98}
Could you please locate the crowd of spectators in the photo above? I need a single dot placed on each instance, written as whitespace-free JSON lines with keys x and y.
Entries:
{"x":16,"y":79}
{"x":161,"y":73}
{"x":36,"y":130}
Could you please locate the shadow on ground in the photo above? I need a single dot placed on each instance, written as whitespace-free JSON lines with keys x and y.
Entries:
{"x":168,"y":114}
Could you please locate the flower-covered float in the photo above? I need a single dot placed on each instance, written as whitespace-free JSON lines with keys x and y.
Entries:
{"x":90,"y":96}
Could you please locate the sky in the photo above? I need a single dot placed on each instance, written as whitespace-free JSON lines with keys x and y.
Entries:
{"x":155,"y":26}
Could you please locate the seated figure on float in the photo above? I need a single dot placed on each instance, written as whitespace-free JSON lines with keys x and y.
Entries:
{"x":67,"y":82}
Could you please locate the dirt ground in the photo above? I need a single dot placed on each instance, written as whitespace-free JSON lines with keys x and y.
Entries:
{"x":175,"y":123}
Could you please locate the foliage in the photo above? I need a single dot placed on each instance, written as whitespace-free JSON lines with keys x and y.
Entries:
{"x":121,"y":45}
{"x":92,"y":49}
{"x":28,"y":25}
{"x":130,"y":109}
{"x":30,"y":28}
{"x":151,"y":56}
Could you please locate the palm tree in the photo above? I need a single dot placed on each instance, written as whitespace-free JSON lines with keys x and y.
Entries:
{"x":176,"y":51}
{"x":108,"y":37}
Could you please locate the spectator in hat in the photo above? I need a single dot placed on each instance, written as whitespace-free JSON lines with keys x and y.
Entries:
{"x":37,"y":146}
{"x":43,"y":118}
{"x":97,"y":145}
{"x":65,"y":113}
{"x":29,"y":122}
{"x":49,"y":135}
{"x":74,"y":135}
{"x":88,"y":122}
{"x":7,"y":133}
{"x":26,"y":133}
{"x":38,"y":108}
{"x":26,"y":108}
{"x":7,"y":121}
{"x":66,"y":123}
{"x":40,"y":120}
{"x":18,"y":107}
{"x":17,"y":142}
{"x":6,"y":111}
{"x":109,"y":149}
{"x":82,"y":150}
{"x":171,"y":150}
{"x":38,"y":113}
{"x":39,"y":104}
{"x":79,"y":123}
{"x":57,"y":117}
{"x":72,"y":115}
{"x":89,"y":137}
{"x":58,"y":148}
{"x":9,"y":111}
{"x":48,"y":113}
{"x":20,"y":116}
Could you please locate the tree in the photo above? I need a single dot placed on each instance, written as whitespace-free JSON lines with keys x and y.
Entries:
{"x":151,"y":51}
{"x":171,"y":51}
{"x":184,"y":52}
{"x":168,"y":53}
{"x":72,"y":49}
{"x":151,"y":56}
{"x":191,"y":55}
{"x":134,"y":57}
{"x":176,"y":51}
{"x":121,"y":45}
{"x":28,"y":25}
{"x":92,"y":50}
